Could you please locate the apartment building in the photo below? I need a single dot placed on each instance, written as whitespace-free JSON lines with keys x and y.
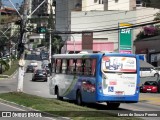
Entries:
{"x":40,"y":10}
{"x":44,"y":9}
{"x":92,"y":15}
{"x":103,"y":5}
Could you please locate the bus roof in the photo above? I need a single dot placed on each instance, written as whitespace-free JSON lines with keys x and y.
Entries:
{"x":89,"y":55}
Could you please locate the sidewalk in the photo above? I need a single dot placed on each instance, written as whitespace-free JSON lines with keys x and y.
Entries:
{"x":10,"y":77}
{"x":8,"y":84}
{"x":150,"y":98}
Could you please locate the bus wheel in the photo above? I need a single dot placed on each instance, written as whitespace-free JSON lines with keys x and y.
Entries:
{"x":58,"y":97}
{"x":113,"y":105}
{"x":79,"y":98}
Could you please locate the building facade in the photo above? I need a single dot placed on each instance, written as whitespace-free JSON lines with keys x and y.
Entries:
{"x":149,"y":47}
{"x":44,"y":9}
{"x":70,"y":18}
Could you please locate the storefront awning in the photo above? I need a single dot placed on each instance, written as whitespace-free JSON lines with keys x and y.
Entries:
{"x":97,"y":46}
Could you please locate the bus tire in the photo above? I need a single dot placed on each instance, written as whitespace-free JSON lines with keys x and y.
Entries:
{"x":79,"y":98}
{"x":58,"y":97}
{"x":113,"y":105}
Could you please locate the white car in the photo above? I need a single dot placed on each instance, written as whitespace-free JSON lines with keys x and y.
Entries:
{"x":34,"y":63}
{"x":158,"y":69}
{"x":148,"y":72}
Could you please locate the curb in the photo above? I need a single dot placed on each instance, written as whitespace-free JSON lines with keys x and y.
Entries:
{"x":13,"y":74}
{"x":55,"y":117}
{"x":8,"y":77}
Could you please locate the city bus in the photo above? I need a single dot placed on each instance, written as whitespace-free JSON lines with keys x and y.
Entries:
{"x":96,"y":77}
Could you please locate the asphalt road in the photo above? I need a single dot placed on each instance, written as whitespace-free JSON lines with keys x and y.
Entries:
{"x":148,"y":101}
{"x":38,"y":88}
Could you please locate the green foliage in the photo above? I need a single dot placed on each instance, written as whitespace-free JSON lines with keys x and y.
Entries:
{"x":34,"y":46}
{"x":12,"y":69}
{"x":57,"y":44}
{"x":142,"y":34}
{"x":62,"y":108}
{"x":157,"y":16}
{"x":146,"y":3}
{"x":151,"y":3}
{"x":36,"y":20}
{"x":5,"y":64}
{"x":13,"y":57}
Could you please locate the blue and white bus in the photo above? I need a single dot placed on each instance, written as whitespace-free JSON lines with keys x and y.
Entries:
{"x":96,"y":77}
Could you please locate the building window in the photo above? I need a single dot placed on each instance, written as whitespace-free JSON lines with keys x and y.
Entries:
{"x":116,"y":1}
{"x":100,"y":1}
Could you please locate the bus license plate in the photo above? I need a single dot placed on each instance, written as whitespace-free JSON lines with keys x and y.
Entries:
{"x":119,"y":92}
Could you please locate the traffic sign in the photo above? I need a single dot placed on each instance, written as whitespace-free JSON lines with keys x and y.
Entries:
{"x":41,"y":30}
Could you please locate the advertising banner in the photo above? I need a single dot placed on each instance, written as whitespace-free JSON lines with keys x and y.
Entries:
{"x":125,"y":38}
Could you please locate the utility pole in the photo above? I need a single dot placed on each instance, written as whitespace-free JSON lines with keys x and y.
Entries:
{"x":50,"y":45}
{"x":21,"y":47}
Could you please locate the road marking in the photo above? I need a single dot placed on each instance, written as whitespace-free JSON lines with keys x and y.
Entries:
{"x":12,"y":106}
{"x":23,"y":110}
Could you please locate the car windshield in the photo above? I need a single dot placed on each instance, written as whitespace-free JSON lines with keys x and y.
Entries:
{"x":157,"y":68}
{"x":30,"y":66}
{"x":150,"y":83}
{"x":40,"y":71}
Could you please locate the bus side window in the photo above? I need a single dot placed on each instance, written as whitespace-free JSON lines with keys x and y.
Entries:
{"x":53,"y":66}
{"x":58,"y":65}
{"x":93,"y":67}
{"x":87,"y":67}
{"x":64,"y":66}
{"x":71,"y":66}
{"x":79,"y":67}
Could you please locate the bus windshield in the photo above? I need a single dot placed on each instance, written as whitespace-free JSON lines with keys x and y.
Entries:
{"x":119,"y":64}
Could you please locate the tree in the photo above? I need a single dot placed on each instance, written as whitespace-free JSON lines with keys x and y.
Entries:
{"x":57,"y":42}
{"x":157,"y":16}
{"x":146,"y":3}
{"x":151,"y":3}
{"x":4,"y":64}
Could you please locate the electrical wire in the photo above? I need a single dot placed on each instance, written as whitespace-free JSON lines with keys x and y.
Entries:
{"x":107,"y":29}
{"x":140,"y":18}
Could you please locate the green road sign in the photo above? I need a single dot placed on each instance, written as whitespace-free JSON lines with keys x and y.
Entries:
{"x":125,"y":37}
{"x":41,"y":30}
